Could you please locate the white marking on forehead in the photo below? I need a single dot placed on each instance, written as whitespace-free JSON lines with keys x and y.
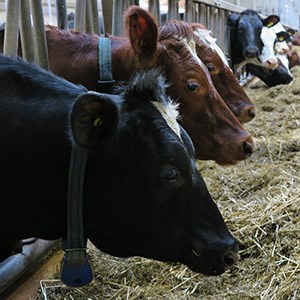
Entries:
{"x":170,"y":114}
{"x":191,"y":46}
{"x":205,"y":36}
{"x":268,"y":37}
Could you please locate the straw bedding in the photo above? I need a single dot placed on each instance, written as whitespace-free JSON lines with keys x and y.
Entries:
{"x":260,"y":201}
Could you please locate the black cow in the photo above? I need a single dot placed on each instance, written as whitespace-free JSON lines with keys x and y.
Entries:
{"x":279,"y":75}
{"x":142,"y":193}
{"x":245,"y":36}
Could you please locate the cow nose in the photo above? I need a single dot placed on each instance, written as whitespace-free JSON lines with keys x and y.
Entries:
{"x":230,"y":258}
{"x":252,"y":52}
{"x":248,"y":148}
{"x":271,"y":63}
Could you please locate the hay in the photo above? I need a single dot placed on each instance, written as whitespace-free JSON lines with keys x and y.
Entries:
{"x":260,"y":202}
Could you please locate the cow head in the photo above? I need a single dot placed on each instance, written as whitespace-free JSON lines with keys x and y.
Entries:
{"x":251,"y":34}
{"x":143,"y":193}
{"x":222,"y":76}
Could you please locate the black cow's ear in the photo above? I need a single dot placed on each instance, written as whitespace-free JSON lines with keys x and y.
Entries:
{"x":282,"y":36}
{"x":94,"y":118}
{"x":271,"y":20}
{"x":232,"y":20}
{"x":187,"y":141}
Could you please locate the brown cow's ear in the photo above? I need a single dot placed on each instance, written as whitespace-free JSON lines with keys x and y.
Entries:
{"x":271,"y":20}
{"x":142,"y":31}
{"x":94,"y":118}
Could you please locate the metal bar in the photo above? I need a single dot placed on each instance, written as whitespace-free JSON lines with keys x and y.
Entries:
{"x":117,"y":17}
{"x":189,"y":11}
{"x":11,"y":36}
{"x":173,"y":9}
{"x":87,"y":17}
{"x":154,"y":10}
{"x":94,"y":17}
{"x":107,"y":13}
{"x":26,"y":33}
{"x":221,"y":4}
{"x":80,"y":15}
{"x":39,"y":35}
{"x":61,"y":11}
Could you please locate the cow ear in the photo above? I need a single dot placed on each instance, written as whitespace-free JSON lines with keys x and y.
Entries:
{"x":142,"y":31}
{"x":282,"y":36}
{"x":271,"y":21}
{"x":232,"y":20}
{"x":94,"y":118}
{"x":290,"y":31}
{"x":187,"y":141}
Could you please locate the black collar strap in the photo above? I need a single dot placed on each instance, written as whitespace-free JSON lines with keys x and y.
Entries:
{"x":105,"y":82}
{"x":76,"y":270}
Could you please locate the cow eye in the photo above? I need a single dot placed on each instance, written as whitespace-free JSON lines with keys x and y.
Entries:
{"x":168,"y":174}
{"x":210,"y":67}
{"x":241,"y":29}
{"x":193,"y":86}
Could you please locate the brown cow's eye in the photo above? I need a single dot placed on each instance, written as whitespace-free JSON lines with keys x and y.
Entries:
{"x":210,"y":67}
{"x":193,"y":86}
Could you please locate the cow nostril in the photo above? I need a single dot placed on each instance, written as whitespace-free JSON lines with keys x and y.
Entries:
{"x":230,"y":258}
{"x":251,"y":113}
{"x":248,"y":149}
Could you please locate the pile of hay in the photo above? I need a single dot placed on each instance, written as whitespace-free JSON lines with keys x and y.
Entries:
{"x":260,"y":201}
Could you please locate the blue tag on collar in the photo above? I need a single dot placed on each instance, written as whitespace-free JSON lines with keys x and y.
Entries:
{"x":76,"y":270}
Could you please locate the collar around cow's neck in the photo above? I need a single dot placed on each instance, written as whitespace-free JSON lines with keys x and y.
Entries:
{"x":106,"y":81}
{"x":76,"y":269}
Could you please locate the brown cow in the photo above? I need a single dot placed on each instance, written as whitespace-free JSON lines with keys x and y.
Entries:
{"x":215,"y":131}
{"x":222,"y":76}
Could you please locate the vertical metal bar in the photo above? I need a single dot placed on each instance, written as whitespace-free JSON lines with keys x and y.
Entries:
{"x":117,"y":17}
{"x":87,"y":17}
{"x":39,"y":33}
{"x":26,"y":33}
{"x":80,"y":15}
{"x":222,"y":29}
{"x":173,"y":11}
{"x":154,"y":10}
{"x":94,"y":17}
{"x":61,"y":12}
{"x":107,"y":13}
{"x":203,"y":18}
{"x":11,"y":36}
{"x":189,"y":11}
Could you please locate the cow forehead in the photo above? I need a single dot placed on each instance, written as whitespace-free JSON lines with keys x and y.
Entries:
{"x":205,"y":36}
{"x":278,"y":27}
{"x":268,"y":37}
{"x":250,"y":19}
{"x":191,"y":47}
{"x":170,"y":113}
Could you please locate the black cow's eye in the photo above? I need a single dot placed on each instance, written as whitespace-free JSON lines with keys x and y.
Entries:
{"x":193,"y":86}
{"x":241,"y":29}
{"x":168,"y":174}
{"x":210,"y":67}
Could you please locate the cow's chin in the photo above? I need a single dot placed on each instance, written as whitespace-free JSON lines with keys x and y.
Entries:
{"x":207,"y":271}
{"x":227,"y":162}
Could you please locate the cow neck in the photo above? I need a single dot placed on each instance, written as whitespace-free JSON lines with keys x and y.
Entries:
{"x":106,"y":81}
{"x":76,"y":269}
